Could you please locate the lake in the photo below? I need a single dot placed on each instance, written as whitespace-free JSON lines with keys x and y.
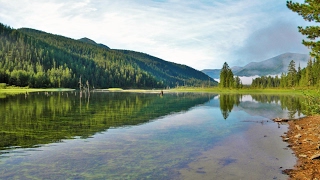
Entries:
{"x":108,"y":135}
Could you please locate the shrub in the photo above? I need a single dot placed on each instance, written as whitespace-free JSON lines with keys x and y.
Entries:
{"x":312,"y":104}
{"x":3,"y":85}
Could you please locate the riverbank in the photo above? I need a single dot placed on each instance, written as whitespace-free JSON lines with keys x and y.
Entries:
{"x":13,"y":91}
{"x":304,"y":139}
{"x":28,"y":90}
{"x":291,"y":91}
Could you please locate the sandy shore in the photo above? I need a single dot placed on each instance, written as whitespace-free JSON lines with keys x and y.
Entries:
{"x":304,"y":139}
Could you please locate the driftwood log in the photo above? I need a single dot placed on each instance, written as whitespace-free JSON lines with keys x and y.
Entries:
{"x":280,"y":120}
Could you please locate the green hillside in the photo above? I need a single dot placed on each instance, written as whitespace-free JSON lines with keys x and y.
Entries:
{"x":35,"y":58}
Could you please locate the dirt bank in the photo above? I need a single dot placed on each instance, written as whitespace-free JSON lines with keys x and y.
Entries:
{"x":304,"y":139}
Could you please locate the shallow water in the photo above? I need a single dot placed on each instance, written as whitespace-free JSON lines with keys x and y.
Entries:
{"x":144,"y":136}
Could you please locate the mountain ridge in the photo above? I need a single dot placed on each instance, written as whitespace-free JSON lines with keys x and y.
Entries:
{"x":272,"y":66}
{"x":36,"y":58}
{"x":90,"y":41}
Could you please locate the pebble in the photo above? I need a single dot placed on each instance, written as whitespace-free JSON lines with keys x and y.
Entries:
{"x":303,"y":155}
{"x":298,"y":127}
{"x":297,"y":136}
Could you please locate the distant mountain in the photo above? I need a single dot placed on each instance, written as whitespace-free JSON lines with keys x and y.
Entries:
{"x":272,"y":66}
{"x":34,"y":58}
{"x":213,"y":73}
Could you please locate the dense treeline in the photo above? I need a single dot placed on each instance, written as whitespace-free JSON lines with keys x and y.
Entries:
{"x":170,"y":73}
{"x":306,"y":77}
{"x":37,"y":59}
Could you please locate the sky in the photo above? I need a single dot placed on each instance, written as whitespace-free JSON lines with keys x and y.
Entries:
{"x":202,"y":34}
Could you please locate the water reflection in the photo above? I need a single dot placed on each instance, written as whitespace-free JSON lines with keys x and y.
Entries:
{"x":293,"y":105}
{"x":139,"y":136}
{"x":41,"y":118}
{"x":227,"y":102}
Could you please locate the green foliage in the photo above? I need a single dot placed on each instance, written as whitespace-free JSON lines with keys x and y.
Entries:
{"x":3,"y":85}
{"x":294,"y":104}
{"x":37,"y":59}
{"x":227,"y":79}
{"x":307,"y":77}
{"x":310,"y":12}
{"x":312,"y":103}
{"x":227,"y":102}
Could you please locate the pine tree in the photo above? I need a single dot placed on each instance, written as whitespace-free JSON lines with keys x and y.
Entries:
{"x":310,"y":12}
{"x":309,"y":75}
{"x":226,"y":77}
{"x":298,"y":75}
{"x":292,"y":74}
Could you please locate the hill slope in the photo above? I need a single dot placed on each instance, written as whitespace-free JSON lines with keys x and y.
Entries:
{"x":89,"y":41}
{"x":39,"y":59}
{"x":213,"y":73}
{"x":272,"y":66}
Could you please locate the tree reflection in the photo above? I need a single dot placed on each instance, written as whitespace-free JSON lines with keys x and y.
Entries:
{"x":227,"y":101}
{"x":44,"y":118}
{"x":293,"y":104}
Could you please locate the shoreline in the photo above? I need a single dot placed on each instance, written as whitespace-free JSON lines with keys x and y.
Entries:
{"x":303,"y":137}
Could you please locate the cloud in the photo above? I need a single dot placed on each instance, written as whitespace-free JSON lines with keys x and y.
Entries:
{"x":202,"y":34}
{"x":271,"y":41}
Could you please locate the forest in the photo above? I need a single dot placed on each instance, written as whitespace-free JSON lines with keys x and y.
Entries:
{"x":38,"y":59}
{"x":307,"y":77}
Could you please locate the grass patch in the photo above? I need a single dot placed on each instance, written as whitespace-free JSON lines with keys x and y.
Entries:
{"x":242,"y":91}
{"x":115,"y":89}
{"x":19,"y":90}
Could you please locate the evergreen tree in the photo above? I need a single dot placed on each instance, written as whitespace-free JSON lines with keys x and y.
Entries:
{"x":310,"y":11}
{"x":309,"y":75}
{"x":292,"y":74}
{"x":226,"y":77}
{"x":298,"y":76}
{"x":237,"y":82}
{"x":34,"y":58}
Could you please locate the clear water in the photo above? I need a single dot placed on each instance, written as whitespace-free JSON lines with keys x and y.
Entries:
{"x":144,"y":136}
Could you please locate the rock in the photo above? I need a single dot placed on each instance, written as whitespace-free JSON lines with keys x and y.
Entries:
{"x":316,"y":156}
{"x":297,"y":136}
{"x":298,"y":127}
{"x":303,"y":155}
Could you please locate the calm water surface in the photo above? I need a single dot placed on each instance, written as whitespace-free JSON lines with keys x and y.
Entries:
{"x":144,"y":136}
